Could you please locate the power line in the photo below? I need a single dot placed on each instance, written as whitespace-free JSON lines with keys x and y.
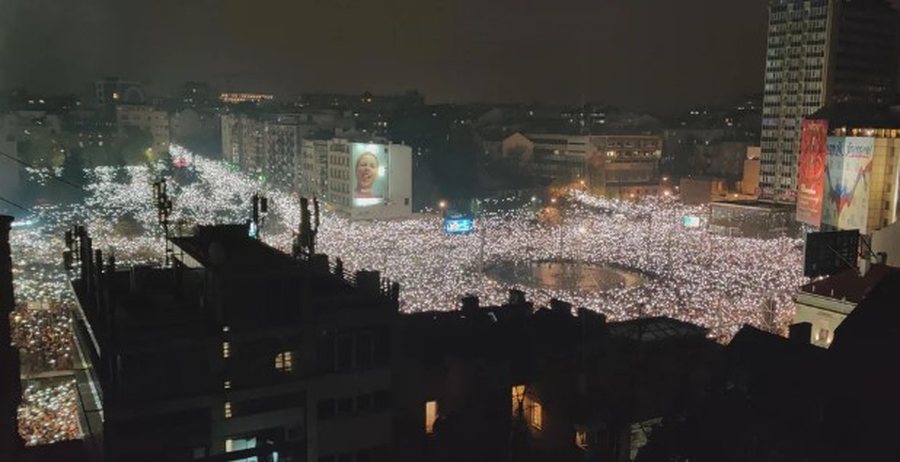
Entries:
{"x":57,"y":178}
{"x":14,"y":204}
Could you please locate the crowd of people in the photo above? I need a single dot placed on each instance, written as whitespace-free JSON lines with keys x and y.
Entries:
{"x":716,"y":281}
{"x":49,"y":413}
{"x":42,"y":332}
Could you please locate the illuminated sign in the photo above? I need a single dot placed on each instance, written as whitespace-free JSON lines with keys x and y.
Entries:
{"x":811,"y":171}
{"x":458,"y":225}
{"x":848,"y":168}
{"x":369,"y":178}
{"x":691,"y":221}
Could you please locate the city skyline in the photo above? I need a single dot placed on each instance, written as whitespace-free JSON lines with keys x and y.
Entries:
{"x":655,"y":56}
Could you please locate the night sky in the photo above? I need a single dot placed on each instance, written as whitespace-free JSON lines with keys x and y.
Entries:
{"x":649,"y":54}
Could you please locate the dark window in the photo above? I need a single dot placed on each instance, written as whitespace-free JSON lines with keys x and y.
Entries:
{"x":326,"y":409}
{"x":344,"y":352}
{"x":363,"y":402}
{"x":345,"y":405}
{"x":381,"y":400}
{"x":364,"y":350}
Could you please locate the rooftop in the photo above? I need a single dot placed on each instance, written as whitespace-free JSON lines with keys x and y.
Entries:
{"x":656,"y":329}
{"x":858,"y":116}
{"x":848,"y":285}
{"x":230,"y":246}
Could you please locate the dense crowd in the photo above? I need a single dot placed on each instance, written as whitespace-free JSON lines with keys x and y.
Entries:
{"x":716,"y":281}
{"x":49,"y":413}
{"x":43,"y":335}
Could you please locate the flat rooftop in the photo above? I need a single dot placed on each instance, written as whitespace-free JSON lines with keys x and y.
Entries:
{"x":655,"y":329}
{"x":229,"y":246}
{"x":848,"y":285}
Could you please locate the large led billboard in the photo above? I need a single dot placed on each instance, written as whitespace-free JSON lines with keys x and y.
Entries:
{"x":369,"y":178}
{"x":811,"y":178}
{"x":458,"y":225}
{"x":848,"y":171}
{"x":691,"y":221}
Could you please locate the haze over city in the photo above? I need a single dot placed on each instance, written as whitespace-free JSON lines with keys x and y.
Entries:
{"x":420,"y":231}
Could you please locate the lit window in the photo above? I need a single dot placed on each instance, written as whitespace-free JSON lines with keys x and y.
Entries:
{"x":227,"y":409}
{"x":431,"y":413}
{"x":227,"y":384}
{"x":284,"y":361}
{"x":518,"y":396}
{"x":226,"y":349}
{"x":534,"y":413}
{"x":240,"y":444}
{"x":581,"y":439}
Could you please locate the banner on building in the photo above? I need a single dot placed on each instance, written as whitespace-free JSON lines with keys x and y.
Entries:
{"x":369,"y":179}
{"x":810,"y":181}
{"x":848,"y":171}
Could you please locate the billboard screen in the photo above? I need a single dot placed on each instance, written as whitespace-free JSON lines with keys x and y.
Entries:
{"x":829,"y":253}
{"x":369,"y":178}
{"x":810,"y":181}
{"x":848,"y":171}
{"x":691,"y":221}
{"x":458,"y":225}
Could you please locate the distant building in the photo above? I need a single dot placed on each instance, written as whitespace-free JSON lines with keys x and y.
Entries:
{"x":196,"y":95}
{"x":147,"y":118}
{"x":614,"y":166}
{"x":237,"y":98}
{"x":111,"y":91}
{"x":266,"y":144}
{"x":819,"y":52}
{"x":363,"y":181}
{"x":197,"y":129}
{"x":550,"y":156}
{"x":624,"y":167}
{"x":886,"y":241}
{"x":701,"y":190}
{"x":236,"y":352}
{"x":747,"y":218}
{"x":749,"y":184}
{"x":850,"y":168}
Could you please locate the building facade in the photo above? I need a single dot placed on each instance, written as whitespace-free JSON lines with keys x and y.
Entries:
{"x":392,"y":195}
{"x":819,"y":51}
{"x":237,"y":352}
{"x":825,"y":303}
{"x":850,"y":168}
{"x":624,"y":166}
{"x":146,"y":118}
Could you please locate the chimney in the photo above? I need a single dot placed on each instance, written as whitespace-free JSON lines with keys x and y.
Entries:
{"x":591,"y":315}
{"x":319,"y":264}
{"x":470,"y":304}
{"x":800,"y":332}
{"x":559,"y":306}
{"x":369,"y":282}
{"x":516,"y":297}
{"x":10,"y":385}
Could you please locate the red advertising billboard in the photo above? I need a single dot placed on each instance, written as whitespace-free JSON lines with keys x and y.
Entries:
{"x":811,"y":171}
